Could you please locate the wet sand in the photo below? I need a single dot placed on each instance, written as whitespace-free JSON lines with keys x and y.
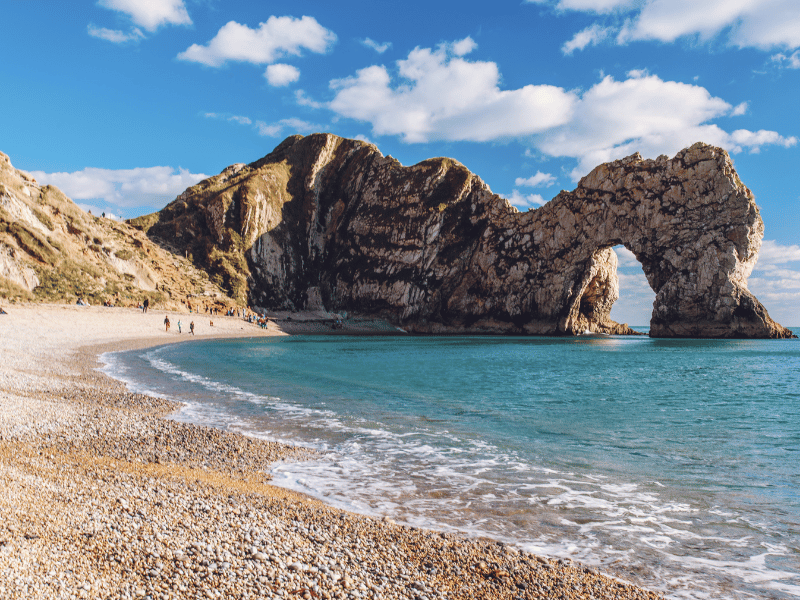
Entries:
{"x":102,"y":497}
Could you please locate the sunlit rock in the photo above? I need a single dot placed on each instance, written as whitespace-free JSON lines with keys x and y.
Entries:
{"x":326,"y":222}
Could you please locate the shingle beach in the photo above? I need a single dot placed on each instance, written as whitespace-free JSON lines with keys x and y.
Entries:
{"x":101,"y":496}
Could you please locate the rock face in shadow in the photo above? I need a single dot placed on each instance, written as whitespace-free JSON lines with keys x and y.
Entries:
{"x":325,"y":222}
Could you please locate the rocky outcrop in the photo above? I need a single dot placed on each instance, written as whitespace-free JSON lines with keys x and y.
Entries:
{"x":325,"y":222}
{"x":51,"y":250}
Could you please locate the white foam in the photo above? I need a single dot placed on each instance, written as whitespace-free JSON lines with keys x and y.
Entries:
{"x":444,"y":480}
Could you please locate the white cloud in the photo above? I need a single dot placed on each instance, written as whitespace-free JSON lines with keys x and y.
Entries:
{"x":99,"y":211}
{"x":646,"y":114}
{"x":790,"y":62}
{"x":773,"y":253}
{"x":233,"y":118}
{"x":303,"y":100}
{"x":753,"y":140}
{"x":591,"y":36}
{"x":442,"y":96}
{"x":114,"y":35}
{"x":740,"y":109}
{"x":463,"y":47}
{"x":240,"y":120}
{"x":749,"y":23}
{"x":626,"y":258}
{"x":595,"y":6}
{"x":379,"y":48}
{"x":524,"y":202}
{"x":437,"y":95}
{"x":293,"y":125}
{"x":277,"y":37}
{"x":128,"y":188}
{"x":763,"y":24}
{"x":151,"y":14}
{"x":538,"y":180}
{"x":279,"y":74}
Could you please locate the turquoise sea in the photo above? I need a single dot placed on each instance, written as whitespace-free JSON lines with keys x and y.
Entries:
{"x":671,"y":463}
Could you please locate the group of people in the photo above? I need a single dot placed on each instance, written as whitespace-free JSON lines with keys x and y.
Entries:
{"x":167,"y":325}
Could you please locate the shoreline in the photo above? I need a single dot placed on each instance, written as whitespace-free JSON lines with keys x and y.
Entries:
{"x":102,"y":497}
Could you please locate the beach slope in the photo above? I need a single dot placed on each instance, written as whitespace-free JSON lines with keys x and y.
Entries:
{"x":103,"y":497}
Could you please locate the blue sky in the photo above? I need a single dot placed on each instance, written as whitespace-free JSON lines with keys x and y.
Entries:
{"x":125,"y":103}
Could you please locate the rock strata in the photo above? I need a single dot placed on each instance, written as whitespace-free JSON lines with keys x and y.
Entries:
{"x":329,"y":223}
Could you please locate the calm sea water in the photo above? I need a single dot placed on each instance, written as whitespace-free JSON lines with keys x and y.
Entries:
{"x":671,"y":463}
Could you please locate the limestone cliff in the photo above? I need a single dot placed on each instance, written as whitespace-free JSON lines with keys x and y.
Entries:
{"x":51,"y":250}
{"x":325,"y":222}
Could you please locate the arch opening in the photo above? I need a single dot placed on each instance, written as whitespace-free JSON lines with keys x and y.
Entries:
{"x":636,"y":297}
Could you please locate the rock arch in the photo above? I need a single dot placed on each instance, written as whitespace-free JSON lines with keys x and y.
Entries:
{"x":691,"y":223}
{"x":326,"y":222}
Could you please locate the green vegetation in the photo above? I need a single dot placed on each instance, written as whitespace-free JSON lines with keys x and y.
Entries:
{"x":145,"y":222}
{"x":65,"y":282}
{"x":13,"y":292}
{"x":124,"y":254}
{"x":29,"y":241}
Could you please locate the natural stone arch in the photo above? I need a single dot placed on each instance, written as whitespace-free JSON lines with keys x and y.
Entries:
{"x":326,"y":222}
{"x":690,"y":222}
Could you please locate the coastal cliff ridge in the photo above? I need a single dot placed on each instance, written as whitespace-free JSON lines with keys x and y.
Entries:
{"x":324,"y":222}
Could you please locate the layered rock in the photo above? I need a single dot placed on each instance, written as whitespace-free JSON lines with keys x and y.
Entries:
{"x":325,"y":222}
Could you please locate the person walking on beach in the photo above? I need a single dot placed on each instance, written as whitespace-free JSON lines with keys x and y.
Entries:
{"x":191,"y":327}
{"x":179,"y":326}
{"x":166,"y":322}
{"x":145,"y":304}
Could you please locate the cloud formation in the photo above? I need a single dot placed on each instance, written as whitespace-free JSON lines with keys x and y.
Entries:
{"x":525,"y":201}
{"x":776,"y":280}
{"x":791,"y":61}
{"x":114,"y":35}
{"x":646,"y":114}
{"x":123,"y":188}
{"x":227,"y":117}
{"x":379,"y":48}
{"x":273,"y":39}
{"x":438,"y":95}
{"x":760,"y":24}
{"x":279,"y":74}
{"x":150,"y":14}
{"x":293,"y":125}
{"x":772,"y":254}
{"x":763,"y":24}
{"x":538,"y":180}
{"x":591,"y":36}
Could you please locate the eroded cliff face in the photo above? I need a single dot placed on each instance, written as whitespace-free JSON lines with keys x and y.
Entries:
{"x":51,"y":250}
{"x":325,"y":222}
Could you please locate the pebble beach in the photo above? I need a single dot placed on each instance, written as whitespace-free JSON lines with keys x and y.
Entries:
{"x":103,"y":496}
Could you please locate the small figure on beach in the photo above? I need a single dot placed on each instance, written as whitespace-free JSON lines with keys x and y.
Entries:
{"x":166,"y":322}
{"x":82,"y":302}
{"x":191,"y":327}
{"x":145,"y":304}
{"x":2,"y":312}
{"x":179,"y":326}
{"x":211,"y":323}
